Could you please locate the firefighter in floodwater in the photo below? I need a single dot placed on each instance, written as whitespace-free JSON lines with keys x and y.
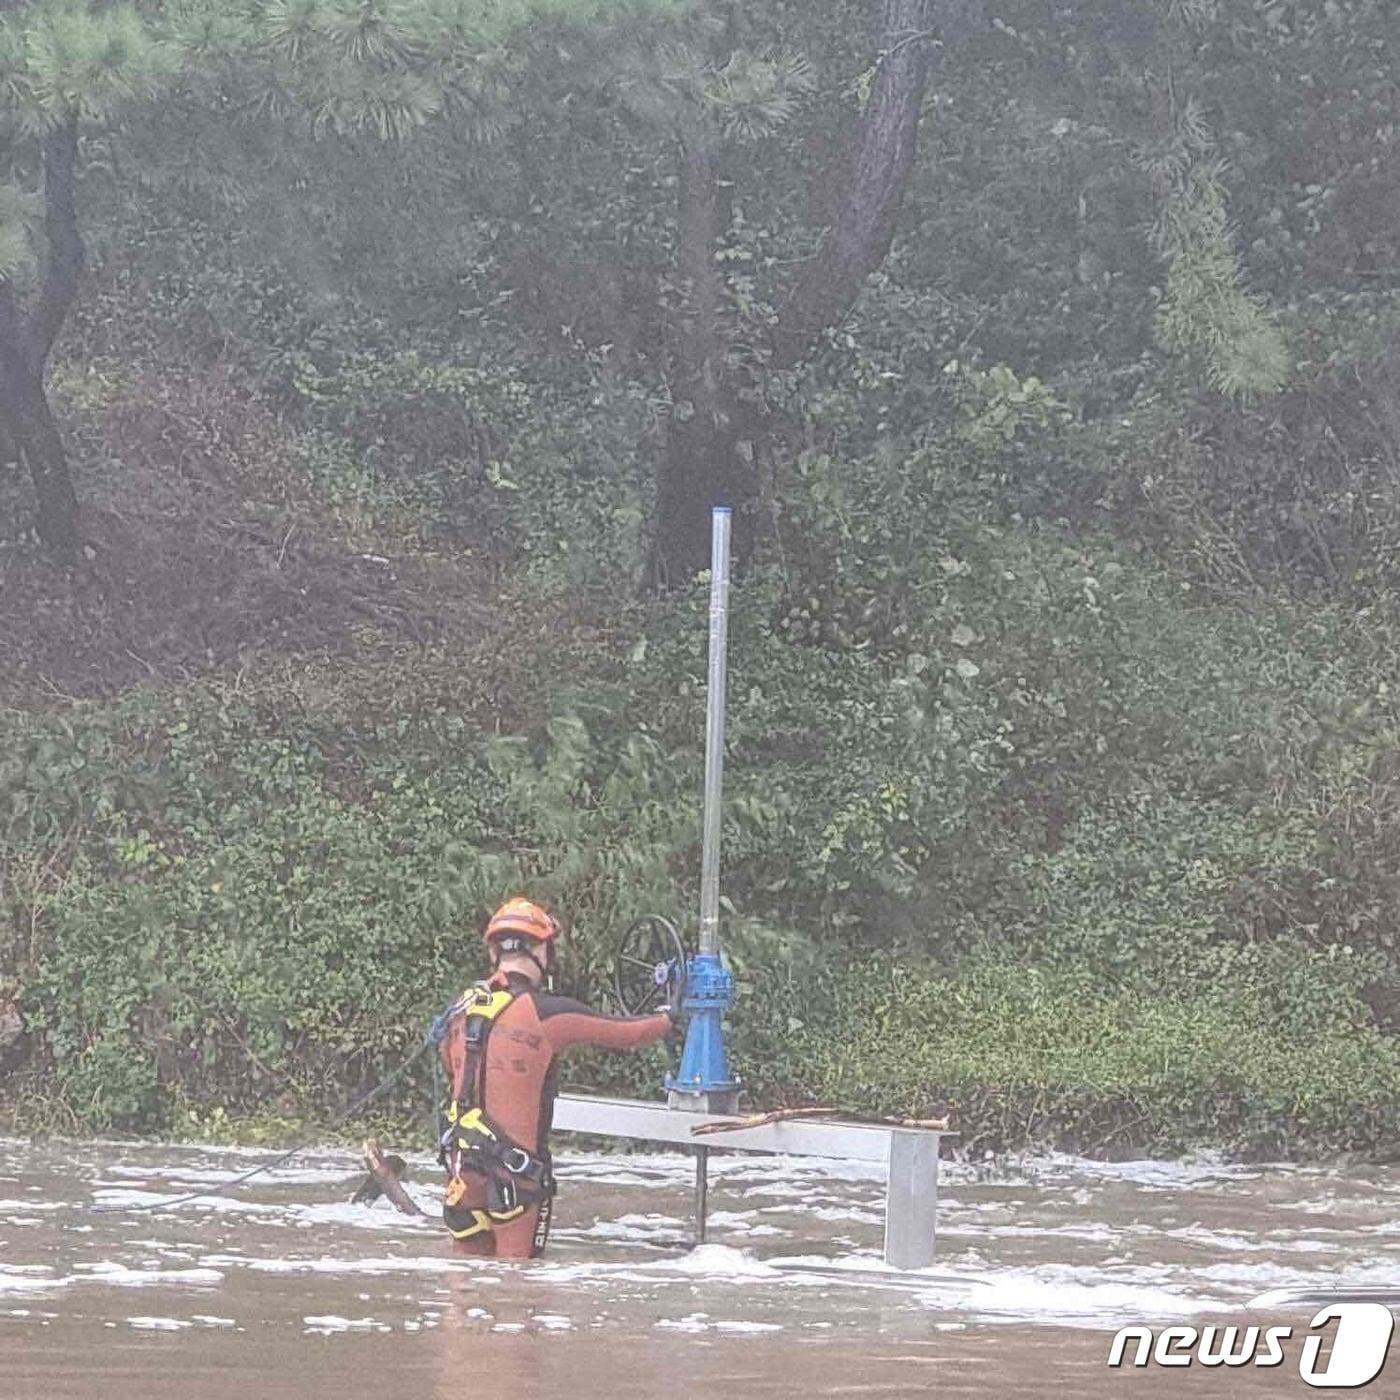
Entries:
{"x":498,"y":1044}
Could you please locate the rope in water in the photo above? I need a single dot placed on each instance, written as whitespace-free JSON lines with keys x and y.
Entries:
{"x":360,"y":1103}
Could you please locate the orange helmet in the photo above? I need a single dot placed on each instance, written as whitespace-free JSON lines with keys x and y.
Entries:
{"x":522,"y":916}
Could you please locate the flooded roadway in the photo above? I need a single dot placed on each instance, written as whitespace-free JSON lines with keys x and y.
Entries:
{"x":286,"y":1290}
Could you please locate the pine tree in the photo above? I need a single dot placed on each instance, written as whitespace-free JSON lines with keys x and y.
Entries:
{"x":385,"y":67}
{"x":61,"y":65}
{"x":712,"y":98}
{"x":1208,"y":312}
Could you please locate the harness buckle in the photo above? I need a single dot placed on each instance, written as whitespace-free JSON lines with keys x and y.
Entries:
{"x":516,"y":1160}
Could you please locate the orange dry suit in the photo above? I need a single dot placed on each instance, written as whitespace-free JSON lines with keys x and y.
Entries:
{"x":498,"y":1044}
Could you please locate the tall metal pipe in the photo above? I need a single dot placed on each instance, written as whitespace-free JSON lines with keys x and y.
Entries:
{"x":704,"y":1083}
{"x":714,"y":728}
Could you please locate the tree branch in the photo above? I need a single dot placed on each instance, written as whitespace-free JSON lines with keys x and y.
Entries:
{"x":859,"y":240}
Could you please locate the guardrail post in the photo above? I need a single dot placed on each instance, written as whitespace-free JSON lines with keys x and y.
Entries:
{"x":911,"y":1200}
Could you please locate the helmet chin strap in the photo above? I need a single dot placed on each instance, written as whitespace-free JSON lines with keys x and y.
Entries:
{"x":546,"y":968}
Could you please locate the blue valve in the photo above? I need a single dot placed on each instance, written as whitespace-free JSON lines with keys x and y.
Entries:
{"x":709,"y":993}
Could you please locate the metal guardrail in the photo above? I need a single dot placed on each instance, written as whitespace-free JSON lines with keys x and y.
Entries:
{"x":910,"y":1155}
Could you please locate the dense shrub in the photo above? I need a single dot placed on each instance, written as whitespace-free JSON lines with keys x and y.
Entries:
{"x":1055,"y":788}
{"x":225,"y":922}
{"x":1026,"y":1054}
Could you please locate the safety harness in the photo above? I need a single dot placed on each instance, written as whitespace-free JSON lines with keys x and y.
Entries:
{"x":471,"y":1142}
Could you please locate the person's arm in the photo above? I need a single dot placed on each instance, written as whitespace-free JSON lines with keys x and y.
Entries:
{"x":566,"y":1022}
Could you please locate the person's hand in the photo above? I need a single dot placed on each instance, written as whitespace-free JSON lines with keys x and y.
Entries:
{"x":675,"y":1037}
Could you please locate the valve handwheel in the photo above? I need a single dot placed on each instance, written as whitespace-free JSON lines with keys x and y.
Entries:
{"x":649,"y":970}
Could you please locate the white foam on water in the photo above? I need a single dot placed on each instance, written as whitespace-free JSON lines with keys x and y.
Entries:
{"x":742,"y":1222}
{"x":650,"y":1221}
{"x":696,"y":1322}
{"x":721,"y":1261}
{"x":643,"y":1171}
{"x":606,"y":1231}
{"x":1034,"y":1213}
{"x":365,"y":1217}
{"x":553,"y":1322}
{"x":215,"y":1176}
{"x":669,"y":1168}
{"x":1225,"y":1241}
{"x":620,"y":1180}
{"x":784,"y":1191}
{"x":157,"y":1324}
{"x":868,"y":1266}
{"x":114,"y":1275}
{"x":1089,"y":1234}
{"x":30,"y":1285}
{"x":794,"y":1171}
{"x":1063,"y":1296}
{"x":391,"y":1264}
{"x":330,"y":1323}
{"x":717,"y":1262}
{"x":208,"y":1320}
{"x":700,"y":1322}
{"x":951,"y":1205}
{"x":637,"y":1229}
{"x":113,"y":1198}
{"x":1357,"y":1273}
{"x":731,"y":1219}
{"x":29,"y":1278}
{"x":854,"y":1215}
{"x":198,"y":1151}
{"x":1320,"y":1205}
{"x":850,"y":1263}
{"x":1203,"y":1170}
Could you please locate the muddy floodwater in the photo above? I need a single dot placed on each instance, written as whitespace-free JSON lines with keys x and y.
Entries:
{"x":284,"y":1289}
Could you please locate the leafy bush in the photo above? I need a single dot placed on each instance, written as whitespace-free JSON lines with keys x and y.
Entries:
{"x":227,"y":922}
{"x":1026,"y":1053}
{"x":963,"y":741}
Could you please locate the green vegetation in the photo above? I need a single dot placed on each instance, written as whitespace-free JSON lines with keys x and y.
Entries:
{"x":1064,"y":712}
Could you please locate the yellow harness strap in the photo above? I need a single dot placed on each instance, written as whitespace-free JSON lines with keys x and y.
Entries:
{"x":481,"y":1222}
{"x":482,"y":1000}
{"x":486,"y":1003}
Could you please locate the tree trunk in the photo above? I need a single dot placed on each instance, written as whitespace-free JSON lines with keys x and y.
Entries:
{"x":27,"y":423}
{"x":860,"y":239}
{"x":699,"y":465}
{"x":32,"y":430}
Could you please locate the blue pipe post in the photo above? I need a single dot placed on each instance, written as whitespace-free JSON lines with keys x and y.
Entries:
{"x":704,"y":1082}
{"x":704,"y":1078}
